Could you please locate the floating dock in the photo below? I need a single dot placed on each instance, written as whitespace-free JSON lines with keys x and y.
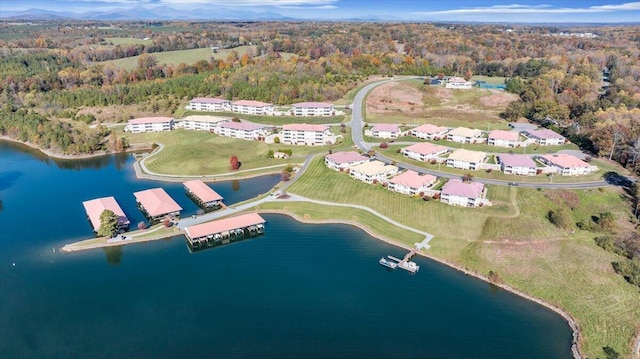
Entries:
{"x":95,"y":207}
{"x":156,"y":204}
{"x":203,"y":195}
{"x":214,"y":233}
{"x":406,"y":263}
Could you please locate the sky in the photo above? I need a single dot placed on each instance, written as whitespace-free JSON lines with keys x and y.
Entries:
{"x":590,"y":11}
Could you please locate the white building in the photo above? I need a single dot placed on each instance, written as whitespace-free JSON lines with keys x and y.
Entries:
{"x":200,"y":123}
{"x":545,"y":137}
{"x":149,"y":124}
{"x":465,"y":159}
{"x":209,"y":104}
{"x":411,"y":183}
{"x":306,"y":135}
{"x":465,"y":135}
{"x":567,"y":165}
{"x":373,"y":171}
{"x":242,"y":130}
{"x":502,"y":138}
{"x":248,"y":107}
{"x":465,"y":194}
{"x":517,"y":164}
{"x":312,"y":109}
{"x":385,"y":130}
{"x":424,"y":151}
{"x":458,"y":83}
{"x":341,"y":161}
{"x":429,"y":132}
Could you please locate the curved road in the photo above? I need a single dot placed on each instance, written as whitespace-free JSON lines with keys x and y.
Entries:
{"x":357,"y":124}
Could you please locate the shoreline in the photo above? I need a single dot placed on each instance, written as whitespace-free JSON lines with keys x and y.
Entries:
{"x":573,"y":324}
{"x":61,"y":156}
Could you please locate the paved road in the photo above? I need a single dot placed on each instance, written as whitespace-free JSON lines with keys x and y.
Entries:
{"x":357,"y":124}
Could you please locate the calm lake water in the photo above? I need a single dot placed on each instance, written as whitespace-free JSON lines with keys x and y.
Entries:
{"x":299,"y":291}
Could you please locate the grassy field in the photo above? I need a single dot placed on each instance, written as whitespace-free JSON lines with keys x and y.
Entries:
{"x":497,"y":80}
{"x":564,"y":268}
{"x":181,"y":56}
{"x":477,"y":108}
{"x":203,"y":153}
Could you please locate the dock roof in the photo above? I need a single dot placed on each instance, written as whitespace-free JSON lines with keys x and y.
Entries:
{"x":223,"y":225}
{"x":95,"y":207}
{"x":157,"y":202}
{"x":202,"y":191}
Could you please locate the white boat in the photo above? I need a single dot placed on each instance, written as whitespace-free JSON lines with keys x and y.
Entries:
{"x":387,"y":263}
{"x":410,"y":266}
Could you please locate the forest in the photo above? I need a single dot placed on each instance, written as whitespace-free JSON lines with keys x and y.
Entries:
{"x":587,"y":88}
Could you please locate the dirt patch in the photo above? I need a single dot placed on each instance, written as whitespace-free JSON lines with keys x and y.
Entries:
{"x":394,"y":97}
{"x":117,"y":113}
{"x":443,"y":94}
{"x":498,"y":99}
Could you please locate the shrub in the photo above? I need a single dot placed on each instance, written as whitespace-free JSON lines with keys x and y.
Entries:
{"x":235,"y":164}
{"x":384,"y":145}
{"x":629,"y":269}
{"x":560,"y":217}
{"x":142,"y":226}
{"x":436,"y":196}
{"x":276,"y":140}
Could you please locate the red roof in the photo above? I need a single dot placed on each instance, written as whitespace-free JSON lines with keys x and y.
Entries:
{"x":245,"y":126}
{"x":251,"y":103}
{"x":209,"y":100}
{"x":346,"y":157}
{"x":202,"y":191}
{"x":504,"y":135}
{"x":425,"y":148}
{"x":413,"y":179}
{"x":312,"y":105}
{"x":223,"y":225}
{"x":430,"y":129}
{"x":386,"y":127}
{"x":455,"y":187}
{"x":157,"y":202}
{"x":95,"y":207}
{"x":305,"y":127}
{"x":516,"y":160}
{"x":565,"y":161}
{"x":545,"y":133}
{"x":150,"y":120}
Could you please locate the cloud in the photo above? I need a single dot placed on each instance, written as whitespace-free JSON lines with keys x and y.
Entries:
{"x":318,"y":4}
{"x":534,"y":9}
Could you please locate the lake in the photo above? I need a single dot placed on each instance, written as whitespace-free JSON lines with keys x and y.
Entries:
{"x":299,"y":291}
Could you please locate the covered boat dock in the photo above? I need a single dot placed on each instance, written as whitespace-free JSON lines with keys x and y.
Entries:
{"x":156,"y":204}
{"x":95,"y":207}
{"x":223,"y":231}
{"x":203,"y":195}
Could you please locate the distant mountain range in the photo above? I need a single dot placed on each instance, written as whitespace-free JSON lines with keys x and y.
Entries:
{"x":145,"y":14}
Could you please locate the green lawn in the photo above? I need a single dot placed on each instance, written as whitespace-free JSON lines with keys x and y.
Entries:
{"x":513,"y":238}
{"x":180,"y":56}
{"x":497,"y":80}
{"x":532,"y":149}
{"x":203,"y":153}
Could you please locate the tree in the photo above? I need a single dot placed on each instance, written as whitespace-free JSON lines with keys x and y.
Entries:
{"x":276,"y":140}
{"x":142,"y":226}
{"x":108,"y":224}
{"x":561,"y":217}
{"x":384,"y":145}
{"x":235,"y":164}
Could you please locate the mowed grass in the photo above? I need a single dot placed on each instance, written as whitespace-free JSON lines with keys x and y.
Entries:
{"x":514,"y":239}
{"x":203,"y":153}
{"x":181,"y":56}
{"x":316,"y":212}
{"x":531,"y":149}
{"x":126,"y":41}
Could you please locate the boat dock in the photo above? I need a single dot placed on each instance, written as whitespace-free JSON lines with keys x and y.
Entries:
{"x":223,"y":231}
{"x":205,"y":197}
{"x":404,"y":263}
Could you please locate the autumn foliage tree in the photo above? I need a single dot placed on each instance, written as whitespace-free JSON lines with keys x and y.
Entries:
{"x":235,"y":164}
